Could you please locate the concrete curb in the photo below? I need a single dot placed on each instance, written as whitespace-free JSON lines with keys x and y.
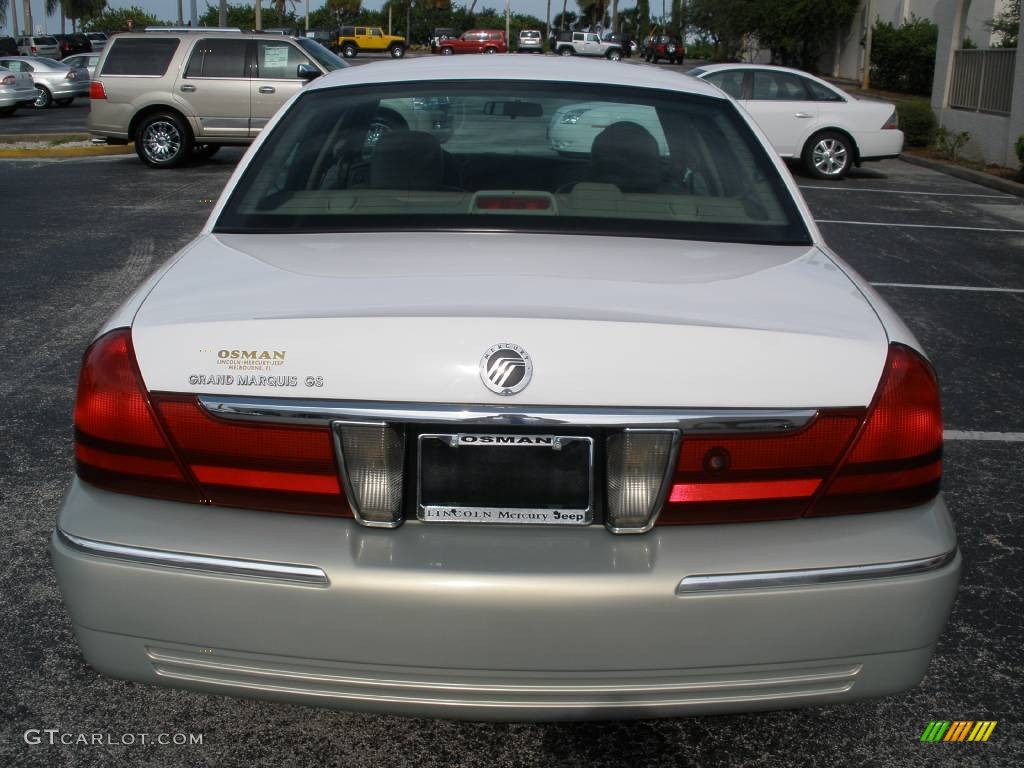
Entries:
{"x":15,"y":138}
{"x":67,"y":152}
{"x":967,"y":174}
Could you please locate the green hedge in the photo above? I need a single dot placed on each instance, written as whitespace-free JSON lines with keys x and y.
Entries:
{"x":903,"y":58}
{"x":917,"y":122}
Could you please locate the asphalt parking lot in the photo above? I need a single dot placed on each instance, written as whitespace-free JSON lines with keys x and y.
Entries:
{"x":947,"y":254}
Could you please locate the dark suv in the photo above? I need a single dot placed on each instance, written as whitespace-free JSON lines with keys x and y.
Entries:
{"x":668,"y":47}
{"x":8,"y":46}
{"x":73,"y":43}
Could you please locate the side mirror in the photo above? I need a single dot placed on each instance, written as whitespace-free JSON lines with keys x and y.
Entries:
{"x":307,"y":72}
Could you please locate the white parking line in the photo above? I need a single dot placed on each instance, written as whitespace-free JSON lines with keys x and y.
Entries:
{"x":999,"y":437}
{"x":980,"y":288}
{"x":918,"y":226}
{"x":905,"y":192}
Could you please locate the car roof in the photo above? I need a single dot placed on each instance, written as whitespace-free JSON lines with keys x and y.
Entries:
{"x":767,"y":67}
{"x":567,"y":69}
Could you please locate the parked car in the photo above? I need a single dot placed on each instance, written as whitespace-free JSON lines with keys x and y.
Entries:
{"x":441,"y":33}
{"x":527,"y":477}
{"x":475,"y":41}
{"x":98,"y":40}
{"x":56,"y":82}
{"x":39,"y":45}
{"x":182,"y":95}
{"x":530,"y":41}
{"x":587,"y":44}
{"x":8,"y":46}
{"x":668,"y":47}
{"x":623,"y":40}
{"x":574,"y":127}
{"x":74,"y":43}
{"x":16,"y":90}
{"x":86,"y":60}
{"x":353,"y":40}
{"x":808,"y":119}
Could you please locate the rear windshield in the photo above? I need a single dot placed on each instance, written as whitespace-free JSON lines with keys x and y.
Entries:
{"x":506,"y":155}
{"x":140,"y":56}
{"x":44,"y":40}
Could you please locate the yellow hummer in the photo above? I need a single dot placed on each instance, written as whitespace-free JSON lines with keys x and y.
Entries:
{"x":353,"y":40}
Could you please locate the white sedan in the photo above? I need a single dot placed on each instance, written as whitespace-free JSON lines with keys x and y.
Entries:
{"x":476,"y":430}
{"x":809,"y":119}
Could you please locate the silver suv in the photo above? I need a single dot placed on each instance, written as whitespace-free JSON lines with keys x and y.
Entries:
{"x":182,"y":95}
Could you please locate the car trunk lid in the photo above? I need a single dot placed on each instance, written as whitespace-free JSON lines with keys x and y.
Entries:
{"x":607,"y":321}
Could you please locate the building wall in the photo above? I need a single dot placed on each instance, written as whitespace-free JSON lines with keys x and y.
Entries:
{"x":992,"y":136}
{"x":846,"y":58}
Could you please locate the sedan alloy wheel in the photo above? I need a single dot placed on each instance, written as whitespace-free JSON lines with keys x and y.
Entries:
{"x":828,"y":156}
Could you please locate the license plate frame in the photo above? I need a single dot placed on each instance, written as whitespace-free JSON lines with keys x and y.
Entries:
{"x":551,"y":514}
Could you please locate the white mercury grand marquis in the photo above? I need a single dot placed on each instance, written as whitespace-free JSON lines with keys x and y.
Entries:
{"x":434,"y":420}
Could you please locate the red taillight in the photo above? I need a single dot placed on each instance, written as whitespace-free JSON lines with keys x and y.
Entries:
{"x":34,"y":50}
{"x":887,"y":457}
{"x":9,"y":80}
{"x":259,"y":466}
{"x":71,"y":75}
{"x":760,"y":477}
{"x":167,"y":446}
{"x":896,"y":460}
{"x":118,"y":441}
{"x":892,"y":123}
{"x":96,"y":90}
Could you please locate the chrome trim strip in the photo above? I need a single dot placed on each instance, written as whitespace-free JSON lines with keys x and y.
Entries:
{"x":691,"y":421}
{"x":228,"y":566}
{"x":719,"y":582}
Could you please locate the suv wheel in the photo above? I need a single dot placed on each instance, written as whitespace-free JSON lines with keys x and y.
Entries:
{"x":397,"y":51}
{"x":163,"y":141}
{"x":566,"y":51}
{"x":827,"y":155}
{"x":615,"y":54}
{"x":45,"y":99}
{"x":348,"y":50}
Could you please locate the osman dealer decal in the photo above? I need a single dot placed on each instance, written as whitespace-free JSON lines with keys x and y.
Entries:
{"x":248,"y":359}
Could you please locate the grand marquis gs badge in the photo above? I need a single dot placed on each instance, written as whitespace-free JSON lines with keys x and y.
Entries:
{"x":506,"y":369}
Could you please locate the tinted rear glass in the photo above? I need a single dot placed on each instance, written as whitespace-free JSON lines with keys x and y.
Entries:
{"x":218,"y":57}
{"x":508,"y":155}
{"x":138,"y":56}
{"x":44,"y":40}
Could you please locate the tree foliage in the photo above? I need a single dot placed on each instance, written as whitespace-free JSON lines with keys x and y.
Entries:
{"x":1007,"y":25}
{"x":796,"y":32}
{"x":903,"y":58}
{"x":116,"y":20}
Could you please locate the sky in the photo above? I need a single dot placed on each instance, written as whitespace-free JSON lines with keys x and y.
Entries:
{"x":168,"y":9}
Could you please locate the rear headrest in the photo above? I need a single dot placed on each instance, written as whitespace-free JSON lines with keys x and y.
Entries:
{"x":407,"y":160}
{"x":626,"y":154}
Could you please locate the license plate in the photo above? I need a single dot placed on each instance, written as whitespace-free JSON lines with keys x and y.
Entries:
{"x":505,"y":478}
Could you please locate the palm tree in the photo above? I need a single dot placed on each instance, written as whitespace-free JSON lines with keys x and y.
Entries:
{"x":14,"y":15}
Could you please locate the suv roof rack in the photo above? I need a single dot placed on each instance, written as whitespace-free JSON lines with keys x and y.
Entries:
{"x":192,"y":29}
